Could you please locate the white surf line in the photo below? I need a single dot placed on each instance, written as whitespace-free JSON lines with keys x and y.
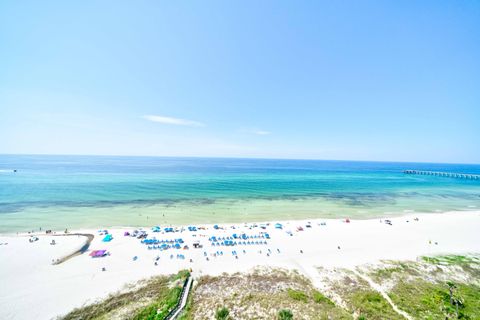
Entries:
{"x":379,"y":289}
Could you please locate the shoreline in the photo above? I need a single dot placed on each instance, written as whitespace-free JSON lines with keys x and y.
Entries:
{"x":406,"y":213}
{"x":30,"y":277}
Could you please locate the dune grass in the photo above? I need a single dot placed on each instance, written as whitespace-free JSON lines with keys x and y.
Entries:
{"x":262,"y":295}
{"x":297,"y":295}
{"x":432,"y":288}
{"x":426,"y":300}
{"x":151,"y":299}
{"x":438,"y":287}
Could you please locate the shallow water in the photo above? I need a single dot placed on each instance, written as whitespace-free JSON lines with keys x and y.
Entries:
{"x":91,"y":191}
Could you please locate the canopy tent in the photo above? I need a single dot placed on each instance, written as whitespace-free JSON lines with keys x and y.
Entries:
{"x":98,"y":253}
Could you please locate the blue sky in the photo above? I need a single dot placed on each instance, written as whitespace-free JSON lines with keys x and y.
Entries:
{"x":360,"y":80}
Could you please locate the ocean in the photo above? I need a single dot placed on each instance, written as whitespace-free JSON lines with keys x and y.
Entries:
{"x":57,"y":192}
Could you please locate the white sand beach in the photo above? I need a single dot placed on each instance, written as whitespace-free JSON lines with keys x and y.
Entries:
{"x":34,"y":288}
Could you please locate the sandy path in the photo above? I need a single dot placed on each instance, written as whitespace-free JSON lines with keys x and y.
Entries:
{"x":379,"y":289}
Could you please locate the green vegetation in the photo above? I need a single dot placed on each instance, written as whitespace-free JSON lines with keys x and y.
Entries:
{"x":468,"y":264}
{"x":371,"y":305}
{"x":261,"y":294}
{"x":436,"y":287}
{"x":159,"y":309}
{"x":187,"y":313}
{"x":359,"y":298}
{"x":285,"y":314}
{"x":152,"y":299}
{"x":222,"y":314}
{"x":428,"y":300}
{"x":452,"y":259}
{"x":441,"y":287}
{"x":320,"y":298}
{"x":394,"y":268}
{"x":297,"y":295}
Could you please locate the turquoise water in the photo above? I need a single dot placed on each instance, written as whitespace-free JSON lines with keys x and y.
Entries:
{"x":92,"y":191}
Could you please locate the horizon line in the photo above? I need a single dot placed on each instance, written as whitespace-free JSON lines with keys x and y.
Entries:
{"x":228,"y":157}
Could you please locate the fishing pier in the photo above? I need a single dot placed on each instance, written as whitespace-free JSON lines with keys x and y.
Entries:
{"x":444,"y":174}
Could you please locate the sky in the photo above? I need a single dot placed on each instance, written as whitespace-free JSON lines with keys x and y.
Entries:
{"x":351,"y":80}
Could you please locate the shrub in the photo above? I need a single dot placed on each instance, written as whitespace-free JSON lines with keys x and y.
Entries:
{"x":285,"y":314}
{"x":297,"y":295}
{"x":320,"y":298}
{"x":222,"y":314}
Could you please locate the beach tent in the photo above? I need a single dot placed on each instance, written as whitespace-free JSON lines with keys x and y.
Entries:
{"x":278,"y":226}
{"x":168,"y":229}
{"x":156,"y":229}
{"x":215,"y":227}
{"x":98,"y":253}
{"x":107,"y":238}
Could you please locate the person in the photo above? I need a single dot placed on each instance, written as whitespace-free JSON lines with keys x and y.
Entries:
{"x":301,"y":251}
{"x":104,"y":269}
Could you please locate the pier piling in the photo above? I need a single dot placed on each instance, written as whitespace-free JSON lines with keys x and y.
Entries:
{"x":444,"y":174}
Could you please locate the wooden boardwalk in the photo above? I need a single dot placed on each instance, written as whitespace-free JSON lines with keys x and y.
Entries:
{"x":444,"y":174}
{"x":182,"y":301}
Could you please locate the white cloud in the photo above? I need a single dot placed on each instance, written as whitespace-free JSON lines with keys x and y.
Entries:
{"x":253,"y":130}
{"x":173,"y":121}
{"x":261,"y":132}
